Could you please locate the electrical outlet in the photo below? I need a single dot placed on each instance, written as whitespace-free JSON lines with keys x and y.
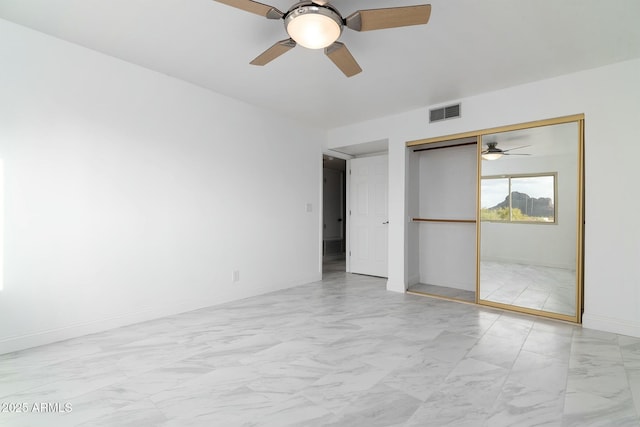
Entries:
{"x":235,"y":276}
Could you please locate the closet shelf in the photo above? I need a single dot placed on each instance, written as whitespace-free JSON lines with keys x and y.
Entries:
{"x":467,"y":221}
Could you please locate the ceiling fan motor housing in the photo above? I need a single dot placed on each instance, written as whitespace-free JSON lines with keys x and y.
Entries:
{"x":491,"y":148}
{"x":312,"y":25}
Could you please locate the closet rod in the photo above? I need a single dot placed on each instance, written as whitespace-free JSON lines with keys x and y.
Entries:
{"x":470,"y":221}
{"x":445,"y":146}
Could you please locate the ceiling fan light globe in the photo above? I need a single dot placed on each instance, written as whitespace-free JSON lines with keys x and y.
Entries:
{"x":492,"y":156}
{"x":313,"y":29}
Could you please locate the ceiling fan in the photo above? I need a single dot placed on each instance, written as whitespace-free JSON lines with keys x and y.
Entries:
{"x":316,"y":24}
{"x":494,"y":153}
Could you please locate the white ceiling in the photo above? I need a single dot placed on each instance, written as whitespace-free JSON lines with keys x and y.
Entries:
{"x":468,"y":47}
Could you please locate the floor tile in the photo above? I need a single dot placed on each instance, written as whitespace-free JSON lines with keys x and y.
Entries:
{"x":342,"y":351}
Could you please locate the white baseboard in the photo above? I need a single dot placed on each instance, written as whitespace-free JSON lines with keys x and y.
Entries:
{"x":609,"y":324}
{"x":49,"y":336}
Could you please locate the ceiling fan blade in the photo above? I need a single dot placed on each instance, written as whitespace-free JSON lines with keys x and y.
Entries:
{"x":378,"y":19}
{"x":516,"y":154}
{"x":517,"y":148}
{"x":340,"y":55}
{"x":279,"y":48}
{"x":254,"y":7}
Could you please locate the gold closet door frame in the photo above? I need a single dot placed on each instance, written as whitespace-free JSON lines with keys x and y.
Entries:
{"x":478,"y":134}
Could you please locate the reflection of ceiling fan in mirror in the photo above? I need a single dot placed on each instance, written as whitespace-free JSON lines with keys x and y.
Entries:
{"x":316,"y":24}
{"x":494,"y":153}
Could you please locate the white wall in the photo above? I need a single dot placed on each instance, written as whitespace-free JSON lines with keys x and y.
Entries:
{"x":131,"y":195}
{"x":610,"y":99}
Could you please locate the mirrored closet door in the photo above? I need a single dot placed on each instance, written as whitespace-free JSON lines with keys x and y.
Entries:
{"x":530,"y":220}
{"x":496,"y":217}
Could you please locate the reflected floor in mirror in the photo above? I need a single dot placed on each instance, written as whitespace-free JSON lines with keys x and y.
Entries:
{"x":530,"y":286}
{"x":444,"y":292}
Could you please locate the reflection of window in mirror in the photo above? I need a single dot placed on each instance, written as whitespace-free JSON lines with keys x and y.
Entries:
{"x":519,"y":198}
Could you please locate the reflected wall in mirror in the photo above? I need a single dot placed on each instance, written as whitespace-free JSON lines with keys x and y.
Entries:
{"x":529,"y":211}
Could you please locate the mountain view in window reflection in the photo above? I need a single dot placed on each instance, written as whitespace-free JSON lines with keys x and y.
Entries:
{"x":518,"y":199}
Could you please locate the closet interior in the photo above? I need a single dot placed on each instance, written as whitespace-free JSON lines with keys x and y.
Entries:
{"x":442,"y":233}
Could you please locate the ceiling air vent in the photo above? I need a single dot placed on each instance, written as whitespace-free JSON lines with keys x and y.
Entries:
{"x":444,"y":113}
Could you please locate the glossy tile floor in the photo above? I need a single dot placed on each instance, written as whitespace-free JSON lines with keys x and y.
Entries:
{"x":341,"y":352}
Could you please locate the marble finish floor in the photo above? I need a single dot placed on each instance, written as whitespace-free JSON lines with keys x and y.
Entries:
{"x":531,"y":286}
{"x":340,"y":352}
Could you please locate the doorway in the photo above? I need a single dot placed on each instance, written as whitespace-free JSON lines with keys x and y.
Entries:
{"x":333,"y":214}
{"x":365,"y":202}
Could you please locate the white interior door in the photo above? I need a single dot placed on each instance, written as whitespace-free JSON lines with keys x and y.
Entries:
{"x":368,"y":219}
